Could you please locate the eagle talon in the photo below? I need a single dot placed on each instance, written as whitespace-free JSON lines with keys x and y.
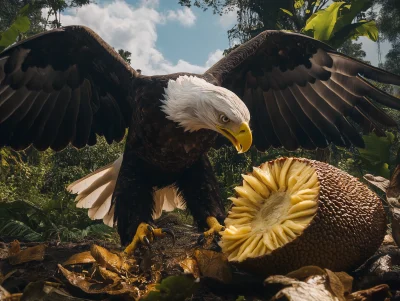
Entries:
{"x":146,"y":241}
{"x":170,"y":233}
{"x":145,"y":234}
{"x":215,"y":228}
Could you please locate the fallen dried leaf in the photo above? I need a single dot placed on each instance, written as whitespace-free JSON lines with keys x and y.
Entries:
{"x":47,"y":291}
{"x":305,"y":272}
{"x":14,"y":248}
{"x":114,"y":262}
{"x":84,"y":257}
{"x":302,"y":291}
{"x":347,"y":282}
{"x":377,"y":181}
{"x":91,"y":286}
{"x":29,"y":254}
{"x":395,"y":213}
{"x":388,"y":240}
{"x":189,"y":266}
{"x":108,"y":275}
{"x":393,"y":191}
{"x":335,"y":285}
{"x":4,"y":277}
{"x":213,"y":265}
{"x":377,"y":293}
{"x":4,"y":293}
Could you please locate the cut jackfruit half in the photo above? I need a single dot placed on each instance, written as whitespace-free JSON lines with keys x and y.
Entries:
{"x":272,"y":208}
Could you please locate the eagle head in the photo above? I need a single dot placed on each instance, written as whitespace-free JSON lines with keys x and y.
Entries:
{"x":195,"y":104}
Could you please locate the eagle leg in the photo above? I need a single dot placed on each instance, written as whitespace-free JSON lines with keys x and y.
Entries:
{"x":134,"y":204}
{"x":145,"y":234}
{"x":214,"y":228}
{"x":199,"y":188}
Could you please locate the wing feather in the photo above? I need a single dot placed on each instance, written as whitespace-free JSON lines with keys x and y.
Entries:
{"x":13,"y":103}
{"x":264,"y":121}
{"x":295,"y":127}
{"x":312,"y":130}
{"x":64,"y":86}
{"x":312,"y":92}
{"x":85,"y":117}
{"x":279,"y":125}
{"x":39,"y":140}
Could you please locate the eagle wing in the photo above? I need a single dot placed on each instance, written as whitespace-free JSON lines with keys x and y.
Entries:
{"x":302,"y":93}
{"x":63,"y":86}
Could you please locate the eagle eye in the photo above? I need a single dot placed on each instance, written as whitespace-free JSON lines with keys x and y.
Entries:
{"x":223,"y":118}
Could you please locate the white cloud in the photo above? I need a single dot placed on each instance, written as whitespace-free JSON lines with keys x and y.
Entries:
{"x":133,"y":28}
{"x":228,"y":19}
{"x":214,"y":57}
{"x":184,"y":16}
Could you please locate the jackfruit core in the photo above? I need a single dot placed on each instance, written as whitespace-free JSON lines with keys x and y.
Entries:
{"x":273,"y":206}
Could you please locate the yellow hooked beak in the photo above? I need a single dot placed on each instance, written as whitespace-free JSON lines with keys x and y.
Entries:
{"x":242,"y":139}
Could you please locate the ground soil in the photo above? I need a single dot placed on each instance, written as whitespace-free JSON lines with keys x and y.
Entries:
{"x":165,"y":257}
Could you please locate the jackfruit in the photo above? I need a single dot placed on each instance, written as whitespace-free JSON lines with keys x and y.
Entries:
{"x":294,"y":212}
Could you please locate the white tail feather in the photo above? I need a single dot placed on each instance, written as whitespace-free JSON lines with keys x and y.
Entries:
{"x":95,"y":192}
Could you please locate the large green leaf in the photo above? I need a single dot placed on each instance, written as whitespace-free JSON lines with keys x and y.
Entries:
{"x":376,"y":154}
{"x":20,"y":25}
{"x":353,"y":31}
{"x":18,"y":230}
{"x":335,"y":24}
{"x":367,"y":29}
{"x":348,"y":12}
{"x":322,"y":23}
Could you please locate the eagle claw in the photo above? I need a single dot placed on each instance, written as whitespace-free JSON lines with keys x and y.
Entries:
{"x":145,"y":234}
{"x":214,"y":228}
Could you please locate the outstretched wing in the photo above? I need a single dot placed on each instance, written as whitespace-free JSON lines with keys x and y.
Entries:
{"x":302,"y":93}
{"x":63,"y":86}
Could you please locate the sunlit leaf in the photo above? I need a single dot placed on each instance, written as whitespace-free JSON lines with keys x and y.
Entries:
{"x":367,"y":29}
{"x":322,"y":23}
{"x":20,"y":25}
{"x":298,"y":4}
{"x":287,"y":12}
{"x":335,"y":24}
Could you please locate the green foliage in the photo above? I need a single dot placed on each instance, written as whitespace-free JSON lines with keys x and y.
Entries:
{"x":392,"y":62}
{"x":376,"y":154}
{"x":334,"y":25}
{"x":126,"y":55}
{"x":177,"y":288}
{"x":26,"y":221}
{"x":38,"y":180}
{"x":389,"y":20}
{"x":20,"y":25}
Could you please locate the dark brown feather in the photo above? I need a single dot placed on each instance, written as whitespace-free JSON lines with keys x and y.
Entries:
{"x":85,"y":117}
{"x":295,"y":128}
{"x":316,"y":136}
{"x":50,"y":62}
{"x":320,"y":87}
{"x":68,"y":125}
{"x":12,"y":104}
{"x":279,"y":126}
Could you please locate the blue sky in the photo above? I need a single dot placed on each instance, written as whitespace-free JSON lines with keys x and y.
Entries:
{"x":165,"y":37}
{"x":207,"y":35}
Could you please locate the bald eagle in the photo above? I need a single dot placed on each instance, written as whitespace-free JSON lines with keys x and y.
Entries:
{"x":66,"y":86}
